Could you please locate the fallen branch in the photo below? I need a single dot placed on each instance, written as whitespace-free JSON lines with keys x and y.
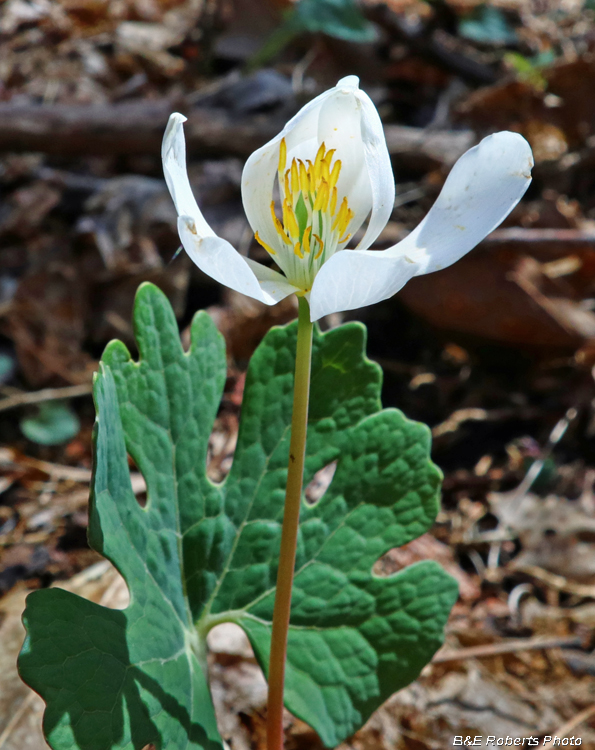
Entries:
{"x":557,"y":582}
{"x":572,"y":724}
{"x":47,"y":394}
{"x":137,"y":128}
{"x":506,"y":647}
{"x":541,"y":235}
{"x":8,"y":457}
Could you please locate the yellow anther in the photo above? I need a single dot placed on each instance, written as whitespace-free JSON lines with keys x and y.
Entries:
{"x":345,"y":239}
{"x":295,"y":180}
{"x":322,"y":196}
{"x":320,"y":153}
{"x":278,"y":225}
{"x":290,"y":221}
{"x":304,"y":180}
{"x":345,"y":222}
{"x":267,"y":247}
{"x":306,"y":239}
{"x":282,"y":154}
{"x":334,"y":176}
{"x":311,"y":177}
{"x":288,"y":195}
{"x":298,"y":250}
{"x":321,"y":248}
{"x":334,"y":195}
{"x":339,"y":218}
{"x":318,"y":163}
{"x":324,"y":171}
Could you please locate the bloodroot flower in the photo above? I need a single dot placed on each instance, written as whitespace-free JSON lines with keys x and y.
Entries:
{"x":332,"y":171}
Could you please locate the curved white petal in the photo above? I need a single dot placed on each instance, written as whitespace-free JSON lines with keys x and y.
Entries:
{"x":483,"y":187}
{"x":173,"y":154}
{"x":481,"y":190}
{"x":219,"y":260}
{"x":379,"y":169}
{"x":213,"y":255}
{"x":340,"y":128}
{"x":355,"y":278}
{"x":272,"y":283}
{"x":260,"y":170}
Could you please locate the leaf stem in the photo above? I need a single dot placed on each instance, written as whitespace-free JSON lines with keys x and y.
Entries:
{"x":289,"y":534}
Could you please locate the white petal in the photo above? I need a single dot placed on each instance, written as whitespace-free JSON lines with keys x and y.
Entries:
{"x":379,"y":169}
{"x":272,"y":283}
{"x":340,"y":128}
{"x":482,"y":188}
{"x":355,"y":278}
{"x":173,"y":154}
{"x":260,"y":170}
{"x":219,"y":260}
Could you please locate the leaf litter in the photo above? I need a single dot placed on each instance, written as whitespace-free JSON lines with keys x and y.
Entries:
{"x":492,"y":353}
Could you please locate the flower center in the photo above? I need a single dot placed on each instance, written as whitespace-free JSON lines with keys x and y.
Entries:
{"x":313,"y":226}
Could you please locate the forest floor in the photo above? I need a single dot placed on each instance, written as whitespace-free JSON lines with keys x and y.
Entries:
{"x":496,"y":353}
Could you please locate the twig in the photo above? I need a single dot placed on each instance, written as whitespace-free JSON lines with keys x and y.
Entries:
{"x":457,"y":418}
{"x":59,"y":471}
{"x":474,"y":414}
{"x":534,"y":471}
{"x":16,"y":717}
{"x":565,"y":729}
{"x":555,"y":436}
{"x":557,"y":582}
{"x":47,"y":394}
{"x":507,"y":647}
{"x":539,"y":236}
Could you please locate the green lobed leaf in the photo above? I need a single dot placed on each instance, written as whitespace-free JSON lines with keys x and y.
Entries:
{"x":54,"y":423}
{"x":339,"y":18}
{"x":487,"y":25}
{"x":199,"y":554}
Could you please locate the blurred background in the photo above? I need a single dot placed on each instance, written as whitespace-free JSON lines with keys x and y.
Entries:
{"x":496,"y":353}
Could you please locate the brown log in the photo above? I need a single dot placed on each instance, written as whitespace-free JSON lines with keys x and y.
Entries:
{"x":137,"y":128}
{"x":124,"y":128}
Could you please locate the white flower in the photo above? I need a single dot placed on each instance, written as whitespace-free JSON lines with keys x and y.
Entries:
{"x":333,"y":171}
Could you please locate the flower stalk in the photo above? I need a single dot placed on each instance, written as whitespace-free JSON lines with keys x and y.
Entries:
{"x":289,"y":534}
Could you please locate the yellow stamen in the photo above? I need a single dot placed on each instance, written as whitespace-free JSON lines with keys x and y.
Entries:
{"x":322,"y":197}
{"x":339,"y":218}
{"x":286,"y":185}
{"x":278,"y":225}
{"x":345,"y":239}
{"x":324,"y":171}
{"x":295,"y":181}
{"x":321,"y":250}
{"x":318,"y":163}
{"x":282,"y":154}
{"x":267,"y":247}
{"x":311,"y":177}
{"x":334,"y":176}
{"x":329,"y":156}
{"x":306,"y":239}
{"x":345,"y":223}
{"x":320,"y":153}
{"x":290,"y":221}
{"x":334,"y":195}
{"x":304,"y":180}
{"x":298,"y":250}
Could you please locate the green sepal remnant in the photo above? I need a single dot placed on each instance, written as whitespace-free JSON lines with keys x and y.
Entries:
{"x":199,"y":554}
